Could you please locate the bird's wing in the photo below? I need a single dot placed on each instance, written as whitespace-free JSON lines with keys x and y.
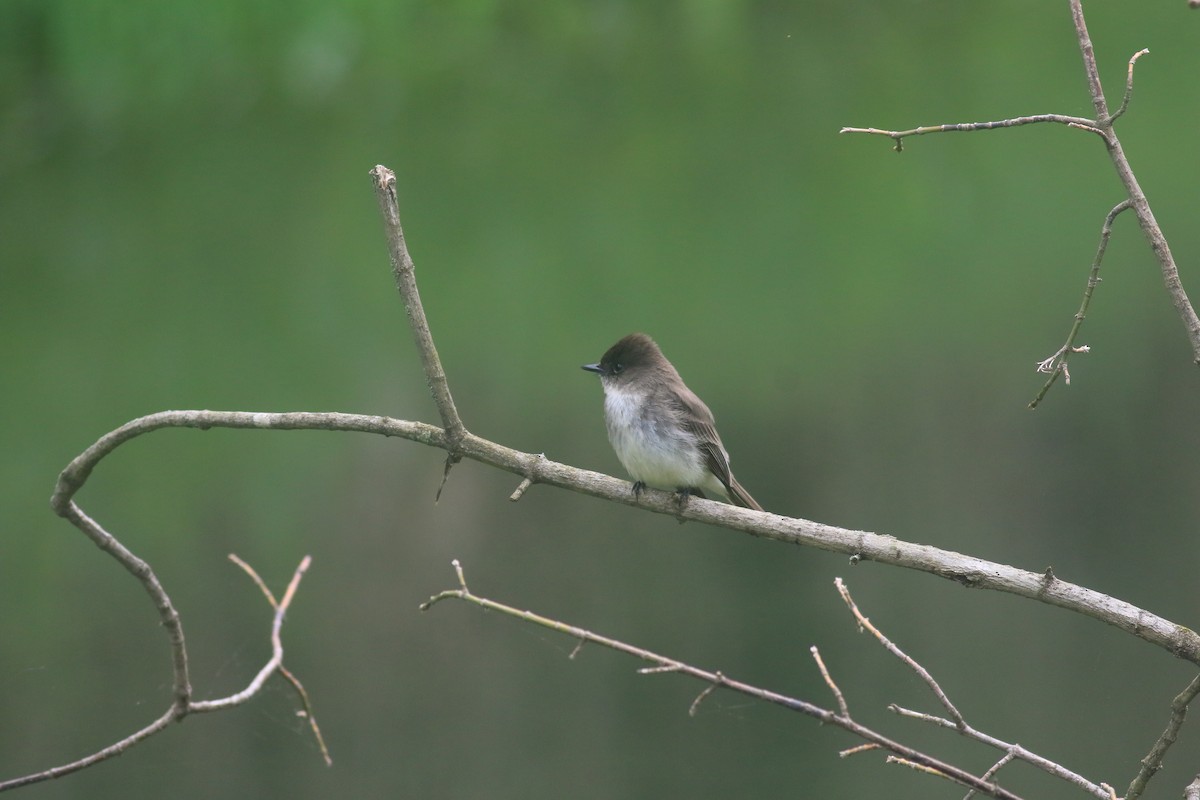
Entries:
{"x":697,"y":419}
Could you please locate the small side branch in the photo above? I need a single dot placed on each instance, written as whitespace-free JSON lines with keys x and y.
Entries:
{"x":1056,"y":364}
{"x":922,"y":673}
{"x":180,"y":709}
{"x":1153,"y":761}
{"x":1081,"y":123}
{"x":406,"y":282}
{"x":276,"y":662}
{"x":716,"y":680}
{"x":958,"y":722}
{"x":1102,"y":125}
{"x":1129,"y":83}
{"x":843,"y":709}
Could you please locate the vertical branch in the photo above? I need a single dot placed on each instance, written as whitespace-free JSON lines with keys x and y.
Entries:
{"x":1095,"y":89}
{"x":406,"y":282}
{"x":1141,"y":206}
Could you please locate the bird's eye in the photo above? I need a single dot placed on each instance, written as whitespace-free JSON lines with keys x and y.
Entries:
{"x":617,"y":367}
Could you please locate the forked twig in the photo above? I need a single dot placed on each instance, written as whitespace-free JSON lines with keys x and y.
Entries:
{"x":281,"y":608}
{"x":717,"y":680}
{"x":182,"y":706}
{"x":922,"y":673}
{"x":1103,"y":126}
{"x":957,"y":721}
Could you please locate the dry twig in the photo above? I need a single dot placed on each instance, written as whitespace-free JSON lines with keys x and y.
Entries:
{"x":183,"y":704}
{"x":717,"y":680}
{"x":957,"y":722}
{"x":1102,"y":125}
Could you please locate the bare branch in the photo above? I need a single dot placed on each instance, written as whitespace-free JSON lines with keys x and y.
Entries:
{"x":969,"y":571}
{"x":712,"y":687}
{"x":833,"y":687}
{"x":1141,"y":206}
{"x":182,"y":706}
{"x":991,"y":773}
{"x":716,"y":680}
{"x":281,"y":609}
{"x":891,"y":647}
{"x":1153,"y":761}
{"x":1129,"y":83}
{"x":1089,"y":61}
{"x":1057,"y":364}
{"x":957,"y":722}
{"x":862,"y":748}
{"x":1082,"y":123}
{"x":1103,"y":126}
{"x":406,"y":282}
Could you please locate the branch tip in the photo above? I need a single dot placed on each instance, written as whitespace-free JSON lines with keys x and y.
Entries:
{"x":458,"y":570}
{"x":712,"y":687}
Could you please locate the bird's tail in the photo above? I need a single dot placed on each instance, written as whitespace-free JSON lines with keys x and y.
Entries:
{"x":740,"y":497}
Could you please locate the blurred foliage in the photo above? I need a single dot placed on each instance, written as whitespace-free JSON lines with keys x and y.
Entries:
{"x":186,"y":221}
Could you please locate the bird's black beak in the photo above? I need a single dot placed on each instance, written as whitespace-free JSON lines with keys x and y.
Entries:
{"x":596,"y":368}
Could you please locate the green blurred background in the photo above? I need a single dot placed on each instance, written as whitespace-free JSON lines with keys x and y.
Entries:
{"x":186,"y":221}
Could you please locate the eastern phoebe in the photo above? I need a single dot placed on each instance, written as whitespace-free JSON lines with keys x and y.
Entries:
{"x":663,"y":433}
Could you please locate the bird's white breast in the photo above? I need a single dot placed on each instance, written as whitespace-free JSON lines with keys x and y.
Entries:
{"x":652,"y":447}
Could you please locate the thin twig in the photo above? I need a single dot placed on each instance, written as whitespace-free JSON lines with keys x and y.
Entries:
{"x":1046,"y":765}
{"x":716,"y":679}
{"x":406,"y":282}
{"x":833,"y":687}
{"x":862,"y":748}
{"x":1153,"y":761}
{"x":1057,"y":363}
{"x":1082,"y":123}
{"x":1129,"y":83}
{"x":181,"y":707}
{"x":957,"y":721}
{"x":1141,"y":206}
{"x":1103,"y":126}
{"x":892,"y":648}
{"x":712,"y":687}
{"x":991,"y":773}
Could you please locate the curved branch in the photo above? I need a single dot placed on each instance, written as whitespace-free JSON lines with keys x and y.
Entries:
{"x":182,"y":705}
{"x":971,"y":572}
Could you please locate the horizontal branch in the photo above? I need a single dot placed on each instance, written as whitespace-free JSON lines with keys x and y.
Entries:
{"x":1082,"y":123}
{"x":971,"y":572}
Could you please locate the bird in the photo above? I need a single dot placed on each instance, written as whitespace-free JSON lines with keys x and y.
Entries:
{"x":663,"y":434}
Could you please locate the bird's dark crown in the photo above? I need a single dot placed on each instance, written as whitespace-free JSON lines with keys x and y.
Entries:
{"x":634,"y":350}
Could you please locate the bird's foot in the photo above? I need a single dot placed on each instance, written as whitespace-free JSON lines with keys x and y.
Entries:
{"x":682,"y":495}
